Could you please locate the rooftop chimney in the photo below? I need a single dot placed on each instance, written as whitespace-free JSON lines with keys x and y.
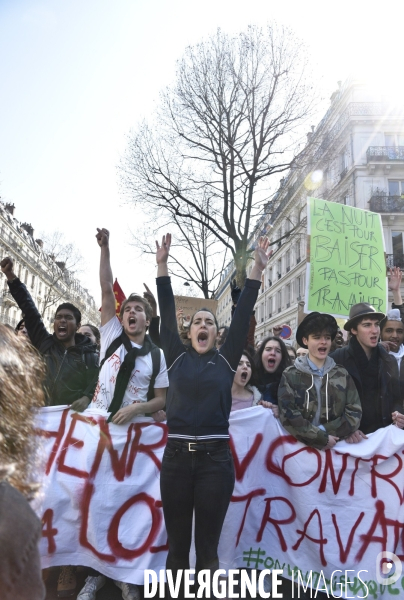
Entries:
{"x":61,"y":265}
{"x":28,"y":228}
{"x":39,"y":243}
{"x":10,"y":208}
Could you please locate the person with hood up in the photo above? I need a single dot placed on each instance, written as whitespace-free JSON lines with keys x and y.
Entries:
{"x":318,"y":401}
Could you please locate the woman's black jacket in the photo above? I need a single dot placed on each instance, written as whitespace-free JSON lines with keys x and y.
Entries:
{"x":199,"y":396}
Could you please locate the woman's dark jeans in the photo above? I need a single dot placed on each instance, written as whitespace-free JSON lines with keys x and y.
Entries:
{"x":200,"y":481}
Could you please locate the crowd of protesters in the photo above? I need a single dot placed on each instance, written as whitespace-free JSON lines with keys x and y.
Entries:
{"x":192,"y":372}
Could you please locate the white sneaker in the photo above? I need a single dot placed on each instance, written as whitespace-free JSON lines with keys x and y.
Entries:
{"x":130,"y":591}
{"x":91,"y":587}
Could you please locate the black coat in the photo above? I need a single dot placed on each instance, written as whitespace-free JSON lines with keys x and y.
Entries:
{"x":71,"y":372}
{"x":199,"y":395}
{"x":388,"y":377}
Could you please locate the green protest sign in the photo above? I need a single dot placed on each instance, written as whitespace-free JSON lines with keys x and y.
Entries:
{"x":346,"y":262}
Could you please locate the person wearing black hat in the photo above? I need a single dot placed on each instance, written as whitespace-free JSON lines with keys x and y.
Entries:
{"x":373,"y":370}
{"x":318,"y":401}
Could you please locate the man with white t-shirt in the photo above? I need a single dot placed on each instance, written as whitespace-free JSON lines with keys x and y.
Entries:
{"x":128,"y":365}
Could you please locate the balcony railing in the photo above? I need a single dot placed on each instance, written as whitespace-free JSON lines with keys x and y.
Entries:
{"x":387,"y":204}
{"x":383,"y":153}
{"x":395,"y":260}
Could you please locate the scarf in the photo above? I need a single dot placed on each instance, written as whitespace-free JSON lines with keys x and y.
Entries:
{"x":126,"y":370}
{"x":398,"y":355}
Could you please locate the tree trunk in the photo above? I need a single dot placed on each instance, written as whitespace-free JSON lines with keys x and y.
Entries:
{"x":205,"y":289}
{"x":240,"y":261}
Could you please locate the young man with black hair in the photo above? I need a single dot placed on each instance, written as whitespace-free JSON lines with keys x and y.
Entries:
{"x":318,"y":401}
{"x":71,"y":358}
{"x":133,"y":375}
{"x":373,"y":370}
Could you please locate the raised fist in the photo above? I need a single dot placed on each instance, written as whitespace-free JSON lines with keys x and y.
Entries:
{"x":7,"y":265}
{"x":102,"y":237}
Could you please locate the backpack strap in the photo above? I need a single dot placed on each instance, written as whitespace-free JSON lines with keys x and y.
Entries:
{"x":156,"y":361}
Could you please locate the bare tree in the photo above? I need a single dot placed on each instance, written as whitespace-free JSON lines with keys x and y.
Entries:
{"x":64,"y":262}
{"x":196,"y":256}
{"x":228,"y":123}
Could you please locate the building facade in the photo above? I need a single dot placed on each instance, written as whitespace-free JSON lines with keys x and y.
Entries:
{"x":355,"y":156}
{"x":48,"y":281}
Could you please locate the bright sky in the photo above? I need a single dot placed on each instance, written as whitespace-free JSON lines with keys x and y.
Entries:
{"x":76,"y":76}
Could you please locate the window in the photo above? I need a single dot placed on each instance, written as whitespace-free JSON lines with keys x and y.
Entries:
{"x":32,"y":281}
{"x":343,"y":161}
{"x":269,"y":308}
{"x":287,"y":296}
{"x":19,"y":271}
{"x":394,"y":139}
{"x":298,"y":289}
{"x":26,"y":277}
{"x":287,"y":262}
{"x":397,"y":243}
{"x":279,"y":301}
{"x":297,"y":250}
{"x":279,"y":267}
{"x":270,"y":277}
{"x":396,"y":187}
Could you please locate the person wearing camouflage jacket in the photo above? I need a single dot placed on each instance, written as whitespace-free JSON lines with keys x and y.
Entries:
{"x":312,"y":407}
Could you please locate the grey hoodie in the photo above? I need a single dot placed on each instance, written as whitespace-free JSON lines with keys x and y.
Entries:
{"x":302,"y":364}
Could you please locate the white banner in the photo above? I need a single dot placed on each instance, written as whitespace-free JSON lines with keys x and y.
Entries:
{"x":293,"y":507}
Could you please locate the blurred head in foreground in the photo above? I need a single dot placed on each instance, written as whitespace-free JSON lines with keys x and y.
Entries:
{"x":21,"y":394}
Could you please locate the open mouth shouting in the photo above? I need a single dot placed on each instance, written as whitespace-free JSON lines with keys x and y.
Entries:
{"x":203,"y":339}
{"x":131,"y":321}
{"x":62,"y":330}
{"x":244,"y":376}
{"x":271,"y":363}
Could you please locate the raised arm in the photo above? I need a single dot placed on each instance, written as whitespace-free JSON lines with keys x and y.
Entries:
{"x":169,"y":336}
{"x":162,"y":254}
{"x":106,"y":279}
{"x":237,"y":337}
{"x":394,"y":282}
{"x":33,"y":321}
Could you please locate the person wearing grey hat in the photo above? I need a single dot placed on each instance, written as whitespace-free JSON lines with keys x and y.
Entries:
{"x":373,"y":370}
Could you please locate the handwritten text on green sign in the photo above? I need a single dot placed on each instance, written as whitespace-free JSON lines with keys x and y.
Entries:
{"x":347,"y":263}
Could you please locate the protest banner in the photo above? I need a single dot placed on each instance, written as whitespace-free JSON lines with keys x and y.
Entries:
{"x":346,"y":259}
{"x":294,"y":508}
{"x":191,"y":305}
